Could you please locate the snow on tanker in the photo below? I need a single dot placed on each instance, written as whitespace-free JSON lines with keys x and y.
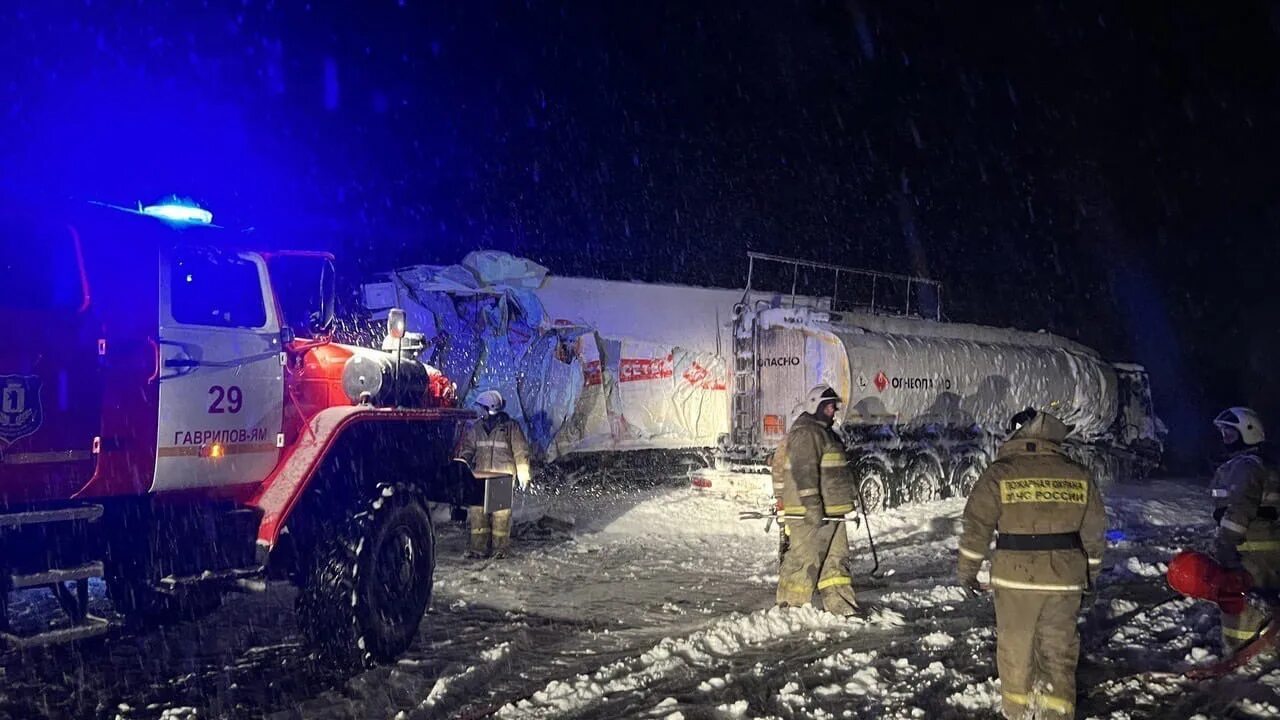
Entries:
{"x":927,"y":401}
{"x":618,"y":376}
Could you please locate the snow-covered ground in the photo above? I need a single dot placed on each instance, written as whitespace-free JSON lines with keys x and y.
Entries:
{"x":658,"y":604}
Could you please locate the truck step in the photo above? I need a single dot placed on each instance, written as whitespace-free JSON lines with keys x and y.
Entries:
{"x":37,"y":517}
{"x":93,"y":626}
{"x":174,"y":582}
{"x":48,"y":577}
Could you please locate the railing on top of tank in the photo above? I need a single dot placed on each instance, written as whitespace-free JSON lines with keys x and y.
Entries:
{"x":845,"y":288}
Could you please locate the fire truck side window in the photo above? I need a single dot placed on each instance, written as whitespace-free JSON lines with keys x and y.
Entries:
{"x":42,"y":272}
{"x":210,"y":288}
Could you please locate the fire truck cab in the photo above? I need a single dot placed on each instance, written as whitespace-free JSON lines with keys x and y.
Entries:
{"x":177,"y":421}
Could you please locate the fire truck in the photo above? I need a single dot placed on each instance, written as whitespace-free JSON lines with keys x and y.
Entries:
{"x":177,"y":422}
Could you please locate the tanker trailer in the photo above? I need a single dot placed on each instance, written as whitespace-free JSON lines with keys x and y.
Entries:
{"x":927,"y":401}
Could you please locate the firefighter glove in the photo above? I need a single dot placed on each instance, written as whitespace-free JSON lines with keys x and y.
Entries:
{"x":971,"y":586}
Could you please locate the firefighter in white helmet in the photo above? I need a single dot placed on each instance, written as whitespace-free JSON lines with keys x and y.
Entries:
{"x":494,"y":443}
{"x":1246,"y":495}
{"x":817,"y":489}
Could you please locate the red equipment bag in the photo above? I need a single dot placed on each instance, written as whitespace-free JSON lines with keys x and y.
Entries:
{"x":1199,"y":576}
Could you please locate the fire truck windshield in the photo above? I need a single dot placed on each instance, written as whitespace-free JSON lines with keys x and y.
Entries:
{"x":40,"y":269}
{"x":303,"y":285}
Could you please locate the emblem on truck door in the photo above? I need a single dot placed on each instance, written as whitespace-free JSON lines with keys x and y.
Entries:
{"x":20,"y":413}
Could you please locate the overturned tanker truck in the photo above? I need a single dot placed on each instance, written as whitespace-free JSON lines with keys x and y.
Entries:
{"x":927,"y":400}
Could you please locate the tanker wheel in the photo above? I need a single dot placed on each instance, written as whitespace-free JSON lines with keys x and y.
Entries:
{"x":370,"y":584}
{"x":873,"y":485}
{"x":922,"y":479}
{"x":965,"y":475}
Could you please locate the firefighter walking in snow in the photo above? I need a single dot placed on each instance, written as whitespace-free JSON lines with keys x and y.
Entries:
{"x":1246,"y":493}
{"x":817,"y":484}
{"x":1051,"y":524}
{"x":494,"y":443}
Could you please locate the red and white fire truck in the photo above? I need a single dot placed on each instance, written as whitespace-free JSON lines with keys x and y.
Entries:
{"x":176,"y":420}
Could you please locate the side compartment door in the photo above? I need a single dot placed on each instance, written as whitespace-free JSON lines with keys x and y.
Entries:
{"x":221,"y":376}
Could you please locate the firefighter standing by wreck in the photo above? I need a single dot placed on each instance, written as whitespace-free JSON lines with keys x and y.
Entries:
{"x":817,"y":489}
{"x":494,"y":443}
{"x":1051,"y":524}
{"x":1246,"y":493}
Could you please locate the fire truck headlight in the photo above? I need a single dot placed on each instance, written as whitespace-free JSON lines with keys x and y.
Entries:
{"x":396,"y":323}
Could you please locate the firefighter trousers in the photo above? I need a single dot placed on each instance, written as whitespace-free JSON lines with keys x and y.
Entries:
{"x":817,"y":560}
{"x":489,"y":528}
{"x":1037,"y":646}
{"x":1238,"y":630}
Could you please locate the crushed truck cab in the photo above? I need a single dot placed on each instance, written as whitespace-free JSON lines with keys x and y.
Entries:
{"x":176,"y":419}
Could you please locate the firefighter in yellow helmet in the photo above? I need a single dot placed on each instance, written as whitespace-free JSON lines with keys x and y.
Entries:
{"x":1051,"y":524}
{"x":1246,"y":493}
{"x":817,"y":488}
{"x":494,"y":443}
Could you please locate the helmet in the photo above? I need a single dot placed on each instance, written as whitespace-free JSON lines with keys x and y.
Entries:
{"x":1244,"y":423}
{"x":818,"y":396}
{"x":491,"y":400}
{"x":1022,"y":418}
{"x":1032,"y":423}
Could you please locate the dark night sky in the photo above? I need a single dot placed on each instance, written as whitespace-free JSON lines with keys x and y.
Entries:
{"x":1103,"y":170}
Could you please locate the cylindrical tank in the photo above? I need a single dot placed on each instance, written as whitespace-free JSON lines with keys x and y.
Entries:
{"x":916,"y":373}
{"x":908,"y":380}
{"x":375,"y":373}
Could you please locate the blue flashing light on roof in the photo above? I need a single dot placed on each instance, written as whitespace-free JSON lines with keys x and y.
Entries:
{"x":178,"y":211}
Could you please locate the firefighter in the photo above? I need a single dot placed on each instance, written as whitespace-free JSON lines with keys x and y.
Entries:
{"x":817,"y":489}
{"x":494,"y":443}
{"x":1246,"y":493}
{"x":1051,"y":524}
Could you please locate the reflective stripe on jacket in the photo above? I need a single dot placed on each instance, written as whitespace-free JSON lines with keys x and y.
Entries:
{"x":1034,"y":489}
{"x":817,"y":473}
{"x":496,"y":444}
{"x":1246,"y":494}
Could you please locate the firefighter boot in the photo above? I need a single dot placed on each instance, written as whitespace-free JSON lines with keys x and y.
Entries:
{"x":478,"y":520}
{"x":501,"y":534}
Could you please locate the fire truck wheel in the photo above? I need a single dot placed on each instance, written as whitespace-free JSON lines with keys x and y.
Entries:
{"x":366,"y":595}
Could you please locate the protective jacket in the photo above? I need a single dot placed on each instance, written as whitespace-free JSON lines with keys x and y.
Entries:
{"x":817,"y":474}
{"x":496,"y":444}
{"x":1246,"y":494}
{"x":1047,"y":510}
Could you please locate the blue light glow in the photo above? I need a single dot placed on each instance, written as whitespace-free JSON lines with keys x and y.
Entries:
{"x":1116,"y":536}
{"x":179,"y":213}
